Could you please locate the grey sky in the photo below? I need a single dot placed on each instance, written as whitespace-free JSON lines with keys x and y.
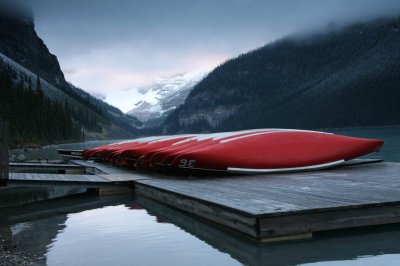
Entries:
{"x":113,"y":47}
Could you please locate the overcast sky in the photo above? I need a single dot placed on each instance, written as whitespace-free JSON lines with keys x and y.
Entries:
{"x":114,"y":47}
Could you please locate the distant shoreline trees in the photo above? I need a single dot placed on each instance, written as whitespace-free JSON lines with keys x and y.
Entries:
{"x":34,"y":118}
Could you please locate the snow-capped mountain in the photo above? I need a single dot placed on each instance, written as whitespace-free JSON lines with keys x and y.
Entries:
{"x":164,"y":96}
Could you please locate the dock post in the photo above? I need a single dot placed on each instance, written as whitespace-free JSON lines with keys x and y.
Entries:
{"x":3,"y":152}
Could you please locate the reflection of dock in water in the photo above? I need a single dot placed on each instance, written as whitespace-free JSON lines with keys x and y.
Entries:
{"x":264,"y":207}
{"x":31,"y":228}
{"x":58,"y":206}
{"x":327,"y":246}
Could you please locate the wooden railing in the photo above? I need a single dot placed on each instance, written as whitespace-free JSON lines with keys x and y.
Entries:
{"x":4,"y":128}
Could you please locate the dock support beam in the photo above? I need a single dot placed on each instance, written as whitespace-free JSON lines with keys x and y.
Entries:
{"x":110,"y":191}
{"x":3,"y":152}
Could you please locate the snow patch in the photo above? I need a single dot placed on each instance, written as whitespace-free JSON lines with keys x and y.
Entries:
{"x":165,"y":95}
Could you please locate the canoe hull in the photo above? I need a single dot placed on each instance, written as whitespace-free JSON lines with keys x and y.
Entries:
{"x":244,"y":152}
{"x":278,"y":151}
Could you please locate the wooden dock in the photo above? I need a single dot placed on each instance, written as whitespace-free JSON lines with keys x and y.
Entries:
{"x":78,"y":174}
{"x":54,"y":168}
{"x":325,"y":246}
{"x":4,"y":134}
{"x":264,"y":207}
{"x":270,"y":206}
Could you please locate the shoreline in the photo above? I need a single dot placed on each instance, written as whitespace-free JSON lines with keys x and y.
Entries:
{"x":10,"y":259}
{"x":36,"y":146}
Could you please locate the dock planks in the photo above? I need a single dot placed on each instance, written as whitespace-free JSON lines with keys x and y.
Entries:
{"x":264,"y":207}
{"x":102,"y":168}
{"x":264,"y":195}
{"x":57,"y":178}
{"x":4,"y":135}
{"x":267,"y":206}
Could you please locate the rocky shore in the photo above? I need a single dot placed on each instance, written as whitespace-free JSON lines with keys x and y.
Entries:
{"x":10,"y":259}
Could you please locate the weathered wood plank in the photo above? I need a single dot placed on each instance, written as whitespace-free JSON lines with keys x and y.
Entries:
{"x":56,"y":178}
{"x":45,"y":165}
{"x":102,"y":167}
{"x":272,"y":194}
{"x":285,"y":204}
{"x":128,"y":177}
{"x":213,"y":213}
{"x":328,"y":220}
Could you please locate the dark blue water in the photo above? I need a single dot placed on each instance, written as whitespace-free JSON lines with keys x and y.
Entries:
{"x":131,"y":230}
{"x":391,"y":135}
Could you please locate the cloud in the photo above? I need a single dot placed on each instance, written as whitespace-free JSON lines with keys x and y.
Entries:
{"x":69,"y":71}
{"x":98,"y":95}
{"x":110,"y":46}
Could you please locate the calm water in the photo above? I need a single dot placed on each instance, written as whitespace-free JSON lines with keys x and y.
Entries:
{"x":50,"y":152}
{"x":131,"y":230}
{"x":391,"y":136}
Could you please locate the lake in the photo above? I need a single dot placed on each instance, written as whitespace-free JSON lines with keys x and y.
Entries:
{"x":86,"y":229}
{"x":50,"y":151}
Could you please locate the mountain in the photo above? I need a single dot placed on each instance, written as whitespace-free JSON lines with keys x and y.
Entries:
{"x":23,"y":50}
{"x":340,"y":78}
{"x":154,"y":104}
{"x":34,"y":119}
{"x":19,"y":41}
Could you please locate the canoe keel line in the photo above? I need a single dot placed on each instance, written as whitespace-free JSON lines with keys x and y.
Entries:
{"x":284,"y":170}
{"x":257,"y":151}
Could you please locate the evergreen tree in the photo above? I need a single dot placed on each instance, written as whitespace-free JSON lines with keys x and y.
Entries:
{"x":34,"y":118}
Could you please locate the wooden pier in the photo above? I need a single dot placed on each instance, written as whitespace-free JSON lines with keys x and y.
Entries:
{"x":268,"y":207}
{"x":55,"y":168}
{"x":325,"y":246}
{"x":263,"y":207}
{"x":3,"y":152}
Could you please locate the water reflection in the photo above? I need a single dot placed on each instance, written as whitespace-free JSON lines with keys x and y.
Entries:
{"x":334,"y":246}
{"x":32,"y":228}
{"x":86,"y":229}
{"x":50,"y":151}
{"x":31,"y":239}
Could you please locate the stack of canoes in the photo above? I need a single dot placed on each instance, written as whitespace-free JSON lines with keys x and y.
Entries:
{"x":250,"y":151}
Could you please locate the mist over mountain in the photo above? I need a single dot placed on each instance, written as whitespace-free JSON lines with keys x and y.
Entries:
{"x":339,"y":78}
{"x":26,"y":59}
{"x":19,"y":41}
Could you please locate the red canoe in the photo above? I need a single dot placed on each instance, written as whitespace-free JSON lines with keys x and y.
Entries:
{"x":130,"y":155}
{"x":277,"y":151}
{"x":167,"y":156}
{"x":103,"y":152}
{"x":249,"y":151}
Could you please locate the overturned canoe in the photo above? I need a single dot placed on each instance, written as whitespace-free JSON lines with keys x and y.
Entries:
{"x":167,"y":156}
{"x":133,"y":154}
{"x":246,"y":152}
{"x":277,"y":151}
{"x":104,"y":151}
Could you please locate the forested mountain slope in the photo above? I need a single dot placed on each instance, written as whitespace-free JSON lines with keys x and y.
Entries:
{"x":340,"y":78}
{"x":22,"y":50}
